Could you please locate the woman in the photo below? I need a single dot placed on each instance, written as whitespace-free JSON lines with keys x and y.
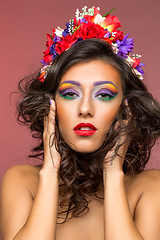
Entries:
{"x":96,"y":124}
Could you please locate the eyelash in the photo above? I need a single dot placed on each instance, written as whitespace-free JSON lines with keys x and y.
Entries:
{"x":105,"y":92}
{"x":65,"y":94}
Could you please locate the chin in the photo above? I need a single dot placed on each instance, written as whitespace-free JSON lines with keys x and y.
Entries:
{"x":84,"y":148}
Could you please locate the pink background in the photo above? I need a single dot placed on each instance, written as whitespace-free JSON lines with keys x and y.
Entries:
{"x":23,"y":28}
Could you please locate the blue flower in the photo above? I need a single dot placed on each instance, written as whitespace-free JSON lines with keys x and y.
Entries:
{"x":53,"y":51}
{"x":125,"y":46}
{"x":78,"y":40}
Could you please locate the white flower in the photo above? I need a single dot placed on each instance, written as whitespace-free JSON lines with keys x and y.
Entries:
{"x":130,"y":60}
{"x":77,"y":14}
{"x":99,"y":19}
{"x":138,"y":74}
{"x":114,"y":47}
{"x":113,"y":34}
{"x":59,"y":32}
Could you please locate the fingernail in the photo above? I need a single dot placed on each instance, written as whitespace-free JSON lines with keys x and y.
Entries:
{"x":50,"y":101}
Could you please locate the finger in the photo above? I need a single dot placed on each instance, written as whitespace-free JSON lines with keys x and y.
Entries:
{"x":51,"y":156}
{"x":51,"y":117}
{"x":49,"y":123}
{"x":45,"y":124}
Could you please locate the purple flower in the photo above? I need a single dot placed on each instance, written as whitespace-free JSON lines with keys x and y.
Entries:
{"x":66,"y":31}
{"x":43,"y":62}
{"x":83,"y":20}
{"x":138,"y":68}
{"x":125,"y":46}
{"x":57,"y":39}
{"x":108,"y":34}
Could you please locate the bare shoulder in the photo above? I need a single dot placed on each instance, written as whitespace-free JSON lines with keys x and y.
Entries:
{"x":150,"y":182}
{"x":22,"y":175}
{"x":23,"y":169}
{"x":148,"y":178}
{"x":145,"y":180}
{"x":19,"y":186}
{"x":147,"y":211}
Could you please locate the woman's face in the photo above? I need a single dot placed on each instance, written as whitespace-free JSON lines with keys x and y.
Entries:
{"x":89,"y":94}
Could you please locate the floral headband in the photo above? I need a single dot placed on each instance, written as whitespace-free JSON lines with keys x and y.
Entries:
{"x":85,"y":25}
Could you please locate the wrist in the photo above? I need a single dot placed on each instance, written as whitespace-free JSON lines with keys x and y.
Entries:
{"x":46,"y":173}
{"x":113,"y":175}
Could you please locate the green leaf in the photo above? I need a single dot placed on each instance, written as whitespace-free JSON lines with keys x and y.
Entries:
{"x":108,"y":12}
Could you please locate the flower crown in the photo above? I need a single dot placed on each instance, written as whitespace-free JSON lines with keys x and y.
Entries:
{"x":85,"y":25}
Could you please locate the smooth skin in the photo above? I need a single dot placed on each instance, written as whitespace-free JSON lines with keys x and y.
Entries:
{"x":29,"y":195}
{"x":86,"y":105}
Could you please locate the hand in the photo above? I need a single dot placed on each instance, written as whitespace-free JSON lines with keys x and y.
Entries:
{"x":51,"y":157}
{"x":115,"y":157}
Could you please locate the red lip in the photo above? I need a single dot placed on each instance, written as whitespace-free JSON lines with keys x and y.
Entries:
{"x":79,"y":132}
{"x":80,"y":125}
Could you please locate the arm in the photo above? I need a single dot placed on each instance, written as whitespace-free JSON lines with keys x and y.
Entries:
{"x":23,"y":218}
{"x":119,"y":224}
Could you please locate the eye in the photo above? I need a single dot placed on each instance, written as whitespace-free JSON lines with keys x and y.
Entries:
{"x":105,"y":94}
{"x":69,"y":94}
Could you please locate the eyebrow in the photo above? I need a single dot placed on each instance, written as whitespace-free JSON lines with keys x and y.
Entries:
{"x":71,"y":82}
{"x":94,"y":84}
{"x":103,"y":82}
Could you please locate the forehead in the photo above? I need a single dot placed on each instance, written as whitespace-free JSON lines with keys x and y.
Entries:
{"x":87,"y":73}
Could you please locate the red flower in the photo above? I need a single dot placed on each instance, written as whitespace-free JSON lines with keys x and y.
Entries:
{"x":89,"y":18}
{"x":89,"y":30}
{"x":64,"y":44}
{"x":49,"y":40}
{"x":117,"y":35}
{"x":136,"y":62}
{"x":47,"y":58}
{"x":48,"y":44}
{"x":111,"y":23}
{"x":107,"y":40}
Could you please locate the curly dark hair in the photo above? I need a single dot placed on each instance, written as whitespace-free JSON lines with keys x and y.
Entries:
{"x":81,"y":174}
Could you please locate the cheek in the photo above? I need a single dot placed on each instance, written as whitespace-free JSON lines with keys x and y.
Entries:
{"x":106,"y":118}
{"x":64,"y":113}
{"x":59,"y":107}
{"x":61,"y":114}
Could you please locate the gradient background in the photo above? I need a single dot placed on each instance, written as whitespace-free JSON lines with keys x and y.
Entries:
{"x":23,"y":28}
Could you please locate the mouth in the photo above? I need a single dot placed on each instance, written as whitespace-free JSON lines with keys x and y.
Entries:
{"x":84,"y":129}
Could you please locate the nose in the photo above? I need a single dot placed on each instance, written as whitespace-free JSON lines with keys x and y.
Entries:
{"x":86,"y":107}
